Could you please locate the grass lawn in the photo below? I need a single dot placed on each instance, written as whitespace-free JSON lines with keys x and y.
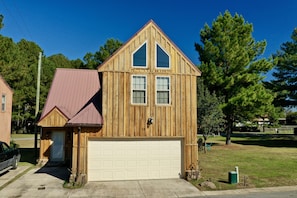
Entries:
{"x":25,"y":143}
{"x":262,"y":161}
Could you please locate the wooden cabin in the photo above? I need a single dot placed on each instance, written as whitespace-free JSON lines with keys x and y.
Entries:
{"x":147,"y":99}
{"x":6,"y":111}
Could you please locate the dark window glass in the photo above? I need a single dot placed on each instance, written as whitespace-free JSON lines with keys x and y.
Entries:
{"x":162,"y":58}
{"x":139,"y":57}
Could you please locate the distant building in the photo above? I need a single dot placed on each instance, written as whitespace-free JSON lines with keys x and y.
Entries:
{"x":5,"y":111}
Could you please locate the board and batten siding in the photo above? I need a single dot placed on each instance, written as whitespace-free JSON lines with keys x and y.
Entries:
{"x":124,"y":119}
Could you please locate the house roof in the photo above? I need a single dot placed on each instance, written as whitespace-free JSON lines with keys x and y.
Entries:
{"x":75,"y":93}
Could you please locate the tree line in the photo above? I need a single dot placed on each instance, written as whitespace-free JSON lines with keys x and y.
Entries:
{"x":234,"y":71}
{"x":232,"y":86}
{"x":18,"y":66}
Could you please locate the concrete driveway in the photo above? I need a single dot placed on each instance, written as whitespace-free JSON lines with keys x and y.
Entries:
{"x":48,"y":182}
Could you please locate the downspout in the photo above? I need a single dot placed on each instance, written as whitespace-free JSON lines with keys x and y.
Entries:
{"x":78,"y":153}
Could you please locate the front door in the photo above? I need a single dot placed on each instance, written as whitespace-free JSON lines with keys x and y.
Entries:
{"x":57,"y":146}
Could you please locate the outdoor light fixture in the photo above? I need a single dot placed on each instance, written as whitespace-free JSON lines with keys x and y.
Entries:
{"x":150,"y":121}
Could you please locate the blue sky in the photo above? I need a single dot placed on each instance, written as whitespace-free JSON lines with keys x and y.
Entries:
{"x":75,"y":27}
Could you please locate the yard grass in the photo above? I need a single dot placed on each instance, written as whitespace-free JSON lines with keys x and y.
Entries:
{"x":267,"y":161}
{"x":25,"y":143}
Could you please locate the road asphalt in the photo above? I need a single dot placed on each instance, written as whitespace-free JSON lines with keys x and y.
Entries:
{"x":47,"y":182}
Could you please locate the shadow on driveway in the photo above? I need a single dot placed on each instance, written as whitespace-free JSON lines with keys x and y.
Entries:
{"x":60,"y":172}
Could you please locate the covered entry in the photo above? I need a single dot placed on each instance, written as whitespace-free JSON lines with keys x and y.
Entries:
{"x":134,"y":159}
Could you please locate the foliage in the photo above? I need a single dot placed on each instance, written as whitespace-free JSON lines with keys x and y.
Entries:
{"x":105,"y":51}
{"x":232,"y":68}
{"x":18,"y":66}
{"x":291,"y":118}
{"x":210,"y":115}
{"x":1,"y":19}
{"x":285,"y":74}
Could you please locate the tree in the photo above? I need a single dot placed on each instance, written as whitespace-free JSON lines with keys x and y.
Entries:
{"x":231,"y":67}
{"x":105,"y":51}
{"x":285,"y":75}
{"x":211,"y":118}
{"x":1,"y":19}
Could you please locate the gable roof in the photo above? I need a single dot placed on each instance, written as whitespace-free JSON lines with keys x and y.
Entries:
{"x":151,"y":25}
{"x":72,"y":92}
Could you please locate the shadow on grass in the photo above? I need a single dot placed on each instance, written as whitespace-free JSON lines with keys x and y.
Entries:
{"x":290,"y":143}
{"x":28,"y":155}
{"x":223,"y":181}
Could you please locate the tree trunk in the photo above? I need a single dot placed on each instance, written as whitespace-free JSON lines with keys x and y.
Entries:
{"x":229,"y":130}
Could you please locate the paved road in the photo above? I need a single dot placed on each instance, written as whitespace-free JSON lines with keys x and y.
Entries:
{"x":48,"y":181}
{"x":272,"y":192}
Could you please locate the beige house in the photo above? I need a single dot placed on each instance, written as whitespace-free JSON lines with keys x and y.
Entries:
{"x":5,"y":111}
{"x":133,"y":118}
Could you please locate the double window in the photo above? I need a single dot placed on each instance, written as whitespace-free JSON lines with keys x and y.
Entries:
{"x":139,"y":90}
{"x":139,"y":57}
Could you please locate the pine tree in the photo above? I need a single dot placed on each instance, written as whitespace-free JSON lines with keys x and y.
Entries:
{"x":231,"y":67}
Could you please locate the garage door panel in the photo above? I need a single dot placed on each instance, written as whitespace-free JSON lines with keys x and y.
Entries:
{"x":130,"y":160}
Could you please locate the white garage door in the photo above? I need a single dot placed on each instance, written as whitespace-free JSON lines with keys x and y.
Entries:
{"x":132,"y":160}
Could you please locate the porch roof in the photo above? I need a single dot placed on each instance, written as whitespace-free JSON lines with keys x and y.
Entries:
{"x":75,"y":92}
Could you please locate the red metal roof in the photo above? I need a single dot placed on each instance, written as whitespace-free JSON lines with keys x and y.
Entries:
{"x":74,"y":92}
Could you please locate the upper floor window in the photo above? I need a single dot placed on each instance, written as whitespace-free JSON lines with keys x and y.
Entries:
{"x":162,"y":60}
{"x":3,"y":103}
{"x":139,"y":57}
{"x":163,"y":89}
{"x":139,"y":89}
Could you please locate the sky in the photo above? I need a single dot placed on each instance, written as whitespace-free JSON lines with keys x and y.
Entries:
{"x":75,"y":27}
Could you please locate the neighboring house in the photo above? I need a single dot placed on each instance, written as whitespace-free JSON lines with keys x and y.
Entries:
{"x":6,"y":111}
{"x":134,"y":118}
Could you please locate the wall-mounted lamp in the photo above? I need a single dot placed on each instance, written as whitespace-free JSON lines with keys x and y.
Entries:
{"x":150,"y":121}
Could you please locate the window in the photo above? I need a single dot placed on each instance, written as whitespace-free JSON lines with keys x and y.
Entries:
{"x":139,"y":89}
{"x":163,"y":90}
{"x":3,"y":106}
{"x":139,"y":57}
{"x":162,"y":58}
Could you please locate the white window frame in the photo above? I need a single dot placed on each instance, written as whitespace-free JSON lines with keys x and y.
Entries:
{"x":156,"y":55}
{"x":169,"y":91}
{"x":3,"y":102}
{"x":145,"y":90}
{"x":146,"y":56}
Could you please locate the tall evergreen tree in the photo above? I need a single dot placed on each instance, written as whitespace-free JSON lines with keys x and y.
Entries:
{"x":231,"y":67}
{"x":285,"y":74}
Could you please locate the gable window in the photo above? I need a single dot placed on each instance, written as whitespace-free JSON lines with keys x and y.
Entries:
{"x":139,"y":57}
{"x":3,"y":103}
{"x":163,"y":89}
{"x":139,"y":86}
{"x":162,"y":60}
